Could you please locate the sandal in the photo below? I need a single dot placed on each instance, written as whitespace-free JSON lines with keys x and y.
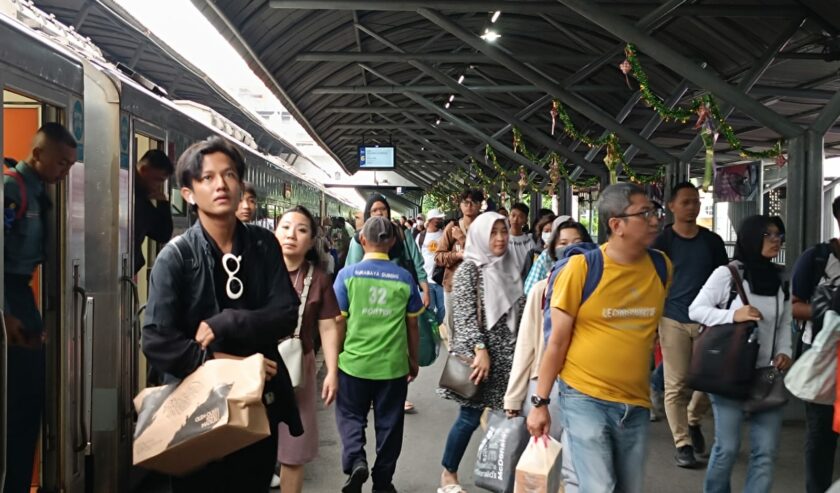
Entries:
{"x":409,"y":408}
{"x":451,"y":488}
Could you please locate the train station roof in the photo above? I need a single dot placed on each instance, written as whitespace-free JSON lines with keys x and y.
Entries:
{"x":443,"y":78}
{"x":137,"y":51}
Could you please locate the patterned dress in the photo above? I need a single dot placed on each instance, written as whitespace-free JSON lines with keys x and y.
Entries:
{"x":467,"y":283}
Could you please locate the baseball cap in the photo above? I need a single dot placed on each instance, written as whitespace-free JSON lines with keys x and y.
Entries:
{"x":378,"y":230}
{"x":557,"y":222}
{"x":435,"y":214}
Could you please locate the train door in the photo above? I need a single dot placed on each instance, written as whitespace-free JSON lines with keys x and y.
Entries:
{"x":59,"y":288}
{"x":145,"y":138}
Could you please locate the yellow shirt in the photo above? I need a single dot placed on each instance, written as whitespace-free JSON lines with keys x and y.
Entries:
{"x":610,"y":351}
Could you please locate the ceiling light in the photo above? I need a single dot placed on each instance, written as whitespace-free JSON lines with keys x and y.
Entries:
{"x":446,"y":106}
{"x":461,"y":79}
{"x":437,"y":122}
{"x":496,"y":15}
{"x":490,"y":36}
{"x":451,"y":98}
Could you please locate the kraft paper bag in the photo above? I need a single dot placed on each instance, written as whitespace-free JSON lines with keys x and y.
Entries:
{"x":214,"y":412}
{"x":539,"y":467}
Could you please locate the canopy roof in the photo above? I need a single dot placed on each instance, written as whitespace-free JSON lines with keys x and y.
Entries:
{"x":382,"y":71}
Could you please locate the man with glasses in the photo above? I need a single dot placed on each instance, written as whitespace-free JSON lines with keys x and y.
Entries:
{"x":221,"y":290}
{"x":450,"y":252}
{"x":695,"y":253}
{"x":818,"y":265}
{"x":605,"y":308}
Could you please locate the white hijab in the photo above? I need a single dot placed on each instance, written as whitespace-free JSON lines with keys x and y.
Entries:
{"x":502,"y":279}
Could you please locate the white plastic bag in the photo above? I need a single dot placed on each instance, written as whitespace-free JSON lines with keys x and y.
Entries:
{"x":539,"y":467}
{"x":813,"y":377}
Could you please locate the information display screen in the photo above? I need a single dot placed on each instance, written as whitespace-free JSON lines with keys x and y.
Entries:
{"x":377,"y":157}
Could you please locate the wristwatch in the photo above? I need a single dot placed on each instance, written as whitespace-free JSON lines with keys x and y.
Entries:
{"x":480,"y":346}
{"x":538,"y":401}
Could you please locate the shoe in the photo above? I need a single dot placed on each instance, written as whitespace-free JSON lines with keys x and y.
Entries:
{"x":685,"y":457}
{"x":356,"y":479}
{"x":697,"y":440}
{"x":409,"y":408}
{"x":275,"y":481}
{"x":388,"y":489}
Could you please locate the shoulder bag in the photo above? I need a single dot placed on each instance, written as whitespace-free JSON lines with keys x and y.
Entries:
{"x":768,"y":386}
{"x":723,"y":356}
{"x":291,"y":348}
{"x":458,"y":368}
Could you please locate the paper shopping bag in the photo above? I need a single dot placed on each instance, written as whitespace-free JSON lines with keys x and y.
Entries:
{"x":215,"y":411}
{"x":539,"y":468}
{"x":499,"y":452}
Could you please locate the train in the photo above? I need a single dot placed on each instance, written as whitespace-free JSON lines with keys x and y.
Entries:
{"x":90,"y":298}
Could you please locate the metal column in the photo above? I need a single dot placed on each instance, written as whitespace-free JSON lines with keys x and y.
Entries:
{"x":805,"y":177}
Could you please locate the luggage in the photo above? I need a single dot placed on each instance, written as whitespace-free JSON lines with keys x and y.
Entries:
{"x":214,"y":412}
{"x":539,"y":468}
{"x":723,"y":356}
{"x":495,"y":466}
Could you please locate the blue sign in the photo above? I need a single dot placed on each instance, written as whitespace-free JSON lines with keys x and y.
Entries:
{"x":124,"y":141}
{"x":77,"y":121}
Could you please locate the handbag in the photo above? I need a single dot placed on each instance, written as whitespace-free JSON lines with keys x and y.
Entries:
{"x":768,"y":386}
{"x":813,"y":377}
{"x":458,"y":368}
{"x":723,"y":356}
{"x":291,"y":348}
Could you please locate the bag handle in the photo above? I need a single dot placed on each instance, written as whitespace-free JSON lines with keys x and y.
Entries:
{"x":739,"y":284}
{"x":307,"y":283}
{"x":478,"y":306}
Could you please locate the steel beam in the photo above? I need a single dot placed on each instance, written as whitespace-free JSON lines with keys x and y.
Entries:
{"x":399,"y":89}
{"x":445,"y":57}
{"x":827,"y":116}
{"x":395,"y":111}
{"x":584,"y":107}
{"x":655,"y":121}
{"x":750,"y":79}
{"x":683,"y":66}
{"x":530,"y":7}
{"x":792,"y":92}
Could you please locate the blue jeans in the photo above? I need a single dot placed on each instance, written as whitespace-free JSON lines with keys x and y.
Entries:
{"x":608,"y":441}
{"x":459,"y":437}
{"x":657,"y":378}
{"x":765,"y":430}
{"x":436,"y":303}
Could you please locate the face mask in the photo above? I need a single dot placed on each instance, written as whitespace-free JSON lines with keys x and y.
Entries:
{"x":558,"y":252}
{"x":546,"y":237}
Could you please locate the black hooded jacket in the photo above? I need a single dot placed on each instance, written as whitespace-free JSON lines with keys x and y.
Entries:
{"x":182,"y":294}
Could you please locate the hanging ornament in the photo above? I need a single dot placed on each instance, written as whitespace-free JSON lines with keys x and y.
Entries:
{"x":625,"y":68}
{"x":553,"y":176}
{"x":613,"y":158}
{"x":523,"y":180}
{"x":709,"y":135}
{"x":703,"y":114}
{"x":554,"y":113}
{"x":781,"y":160}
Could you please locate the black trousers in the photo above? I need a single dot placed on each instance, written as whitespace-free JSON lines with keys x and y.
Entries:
{"x":247,"y":470}
{"x":820,"y":447}
{"x":351,"y":412}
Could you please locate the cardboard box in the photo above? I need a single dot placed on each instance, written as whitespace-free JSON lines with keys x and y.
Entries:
{"x":215,"y":411}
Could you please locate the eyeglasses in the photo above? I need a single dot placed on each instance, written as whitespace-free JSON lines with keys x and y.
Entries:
{"x":646,"y":214}
{"x":469,"y":202}
{"x":774,"y":236}
{"x":234,"y":286}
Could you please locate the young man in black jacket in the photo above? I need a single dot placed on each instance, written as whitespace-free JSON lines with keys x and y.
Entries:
{"x":221,"y":290}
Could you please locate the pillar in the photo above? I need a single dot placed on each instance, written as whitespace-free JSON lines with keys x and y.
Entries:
{"x":804,"y":194}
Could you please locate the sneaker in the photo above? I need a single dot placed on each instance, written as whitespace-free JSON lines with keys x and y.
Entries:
{"x":275,"y":481}
{"x":697,"y":439}
{"x":685,"y":457}
{"x":388,"y":489}
{"x":356,"y":479}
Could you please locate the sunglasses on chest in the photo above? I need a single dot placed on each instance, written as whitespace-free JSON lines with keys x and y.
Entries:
{"x":234,"y":287}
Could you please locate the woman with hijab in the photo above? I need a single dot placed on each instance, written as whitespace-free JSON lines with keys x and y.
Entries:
{"x":760,"y":239}
{"x":489,"y":280}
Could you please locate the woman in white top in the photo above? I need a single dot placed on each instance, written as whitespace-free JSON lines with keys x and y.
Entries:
{"x":759,"y":240}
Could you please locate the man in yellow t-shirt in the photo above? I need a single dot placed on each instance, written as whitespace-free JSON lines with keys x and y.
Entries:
{"x":601,"y":346}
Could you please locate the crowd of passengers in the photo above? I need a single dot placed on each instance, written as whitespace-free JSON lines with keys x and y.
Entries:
{"x":485,"y":277}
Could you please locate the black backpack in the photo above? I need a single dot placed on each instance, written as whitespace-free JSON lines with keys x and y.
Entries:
{"x":822,"y":299}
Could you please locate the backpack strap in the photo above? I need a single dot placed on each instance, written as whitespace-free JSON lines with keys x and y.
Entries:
{"x":821,"y":255}
{"x":660,"y":265}
{"x":184,"y":251}
{"x":15,"y":175}
{"x":595,"y":270}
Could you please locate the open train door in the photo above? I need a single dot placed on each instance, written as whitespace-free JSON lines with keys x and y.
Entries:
{"x":42,"y":83}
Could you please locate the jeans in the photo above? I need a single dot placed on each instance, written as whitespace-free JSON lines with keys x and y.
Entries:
{"x":436,"y":303}
{"x":765,"y":431}
{"x":820,"y":447}
{"x":657,"y":378}
{"x":608,"y":441}
{"x":459,"y":437}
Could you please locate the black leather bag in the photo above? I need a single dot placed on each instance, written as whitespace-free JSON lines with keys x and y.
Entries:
{"x":723,"y":356}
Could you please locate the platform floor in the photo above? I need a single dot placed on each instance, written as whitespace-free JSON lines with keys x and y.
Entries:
{"x":419,"y":466}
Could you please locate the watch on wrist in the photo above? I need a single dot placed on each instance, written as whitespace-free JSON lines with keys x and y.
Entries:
{"x":480,"y":346}
{"x":538,"y":401}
